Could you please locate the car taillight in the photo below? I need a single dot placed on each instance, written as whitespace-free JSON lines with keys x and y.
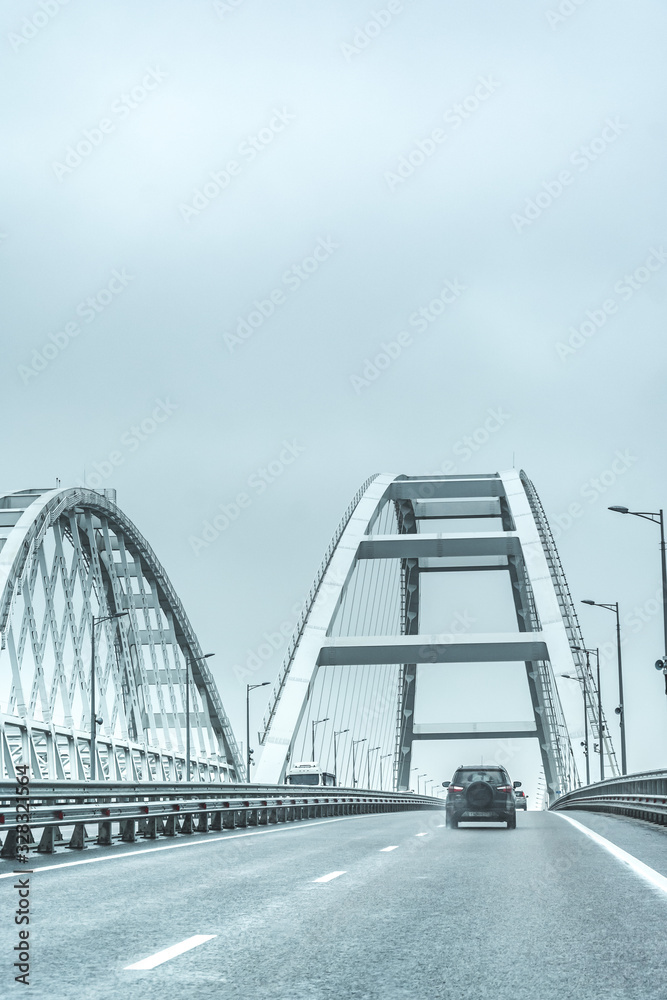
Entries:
{"x":455,"y":788}
{"x":504,"y":788}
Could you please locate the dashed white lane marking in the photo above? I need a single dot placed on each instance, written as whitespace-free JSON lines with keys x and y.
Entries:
{"x":395,"y":847}
{"x":327,"y":878}
{"x":176,"y":949}
{"x":189,"y":843}
{"x":441,"y":825}
{"x":421,"y":835}
{"x":637,"y":866}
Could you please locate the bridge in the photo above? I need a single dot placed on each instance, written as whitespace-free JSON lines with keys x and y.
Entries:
{"x":142,"y":846}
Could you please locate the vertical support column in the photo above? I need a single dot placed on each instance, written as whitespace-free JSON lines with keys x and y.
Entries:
{"x":528,"y":621}
{"x":537,"y":698}
{"x":407,"y":524}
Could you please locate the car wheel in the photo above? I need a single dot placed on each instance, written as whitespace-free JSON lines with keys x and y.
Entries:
{"x":451,"y":823}
{"x":511,"y":822}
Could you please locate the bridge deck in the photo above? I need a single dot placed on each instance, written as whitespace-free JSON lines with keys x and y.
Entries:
{"x":473,"y":913}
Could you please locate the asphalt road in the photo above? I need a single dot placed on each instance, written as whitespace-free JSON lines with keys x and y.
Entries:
{"x":541,"y":912}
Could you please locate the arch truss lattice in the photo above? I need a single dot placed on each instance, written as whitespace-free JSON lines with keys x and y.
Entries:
{"x":66,"y":556}
{"x":386,"y":528}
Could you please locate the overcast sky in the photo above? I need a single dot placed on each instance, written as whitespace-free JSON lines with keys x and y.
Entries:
{"x":218,"y":215}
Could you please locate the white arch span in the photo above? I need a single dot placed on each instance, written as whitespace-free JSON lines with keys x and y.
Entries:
{"x":67,"y":555}
{"x":547,"y":626}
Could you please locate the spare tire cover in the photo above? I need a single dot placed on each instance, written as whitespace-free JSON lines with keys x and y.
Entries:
{"x":479,"y":795}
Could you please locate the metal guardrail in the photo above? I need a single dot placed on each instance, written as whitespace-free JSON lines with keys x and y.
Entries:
{"x":123,"y":811}
{"x":642,"y":796}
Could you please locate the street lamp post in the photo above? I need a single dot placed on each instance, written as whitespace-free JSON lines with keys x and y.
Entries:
{"x":336,"y":734}
{"x":600,"y":724}
{"x":656,"y":518}
{"x":383,"y":757}
{"x":581,"y":649}
{"x":94,"y":721}
{"x":368,"y":762}
{"x":354,"y":772}
{"x":421,"y":776}
{"x":599,"y":694}
{"x":316,"y":722}
{"x":415,"y":769}
{"x":248,"y":752}
{"x":620,"y":711}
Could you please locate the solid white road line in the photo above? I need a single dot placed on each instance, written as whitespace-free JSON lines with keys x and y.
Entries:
{"x":176,"y":949}
{"x":327,"y":878}
{"x":389,"y":848}
{"x":189,"y":843}
{"x":649,"y":874}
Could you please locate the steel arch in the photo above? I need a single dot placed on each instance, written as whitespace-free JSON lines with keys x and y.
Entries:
{"x":65,"y":555}
{"x":546,"y":621}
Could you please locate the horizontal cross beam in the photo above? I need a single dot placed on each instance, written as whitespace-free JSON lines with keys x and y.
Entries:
{"x":499,"y":647}
{"x":409,"y":546}
{"x":477,"y":507}
{"x":509,"y":734}
{"x":474,"y":730}
{"x":447,"y":488}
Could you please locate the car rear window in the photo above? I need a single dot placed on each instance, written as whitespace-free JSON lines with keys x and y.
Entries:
{"x":467,"y":775}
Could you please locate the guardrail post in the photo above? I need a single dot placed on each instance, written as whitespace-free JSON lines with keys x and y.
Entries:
{"x":150,"y":828}
{"x":9,"y":846}
{"x":47,"y":842}
{"x":241,"y":818}
{"x":104,"y":833}
{"x":228,"y":819}
{"x":216,"y":821}
{"x":186,"y":826}
{"x":202,"y":823}
{"x":127,"y":828}
{"x":170,"y":826}
{"x":78,"y":838}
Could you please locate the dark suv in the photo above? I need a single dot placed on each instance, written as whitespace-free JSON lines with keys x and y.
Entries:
{"x":480,"y":794}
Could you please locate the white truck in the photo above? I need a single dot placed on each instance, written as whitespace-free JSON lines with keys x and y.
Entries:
{"x":308,"y":772}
